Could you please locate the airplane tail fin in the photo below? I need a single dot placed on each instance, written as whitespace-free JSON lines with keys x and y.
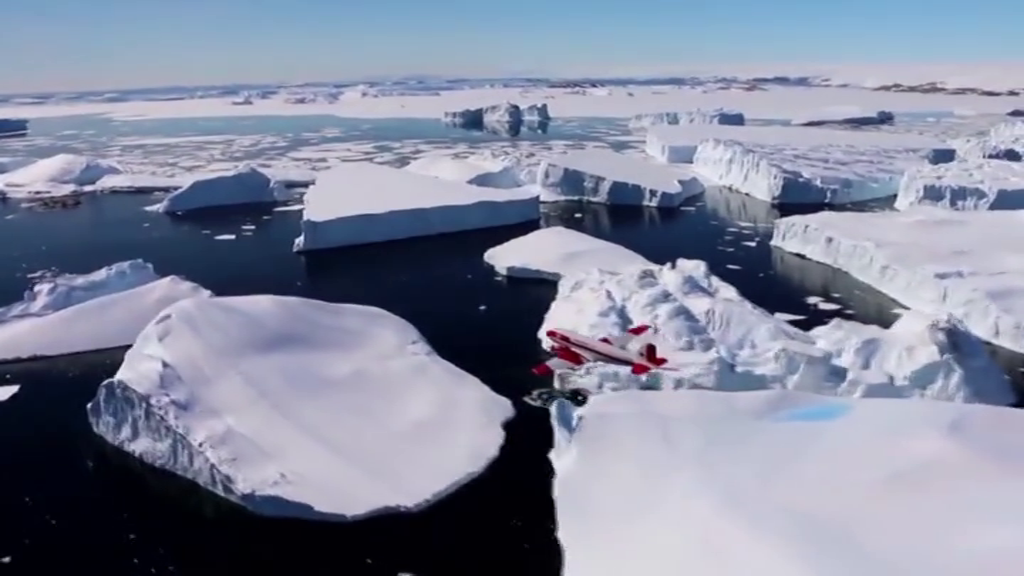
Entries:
{"x":651,"y":355}
{"x":641,"y":369}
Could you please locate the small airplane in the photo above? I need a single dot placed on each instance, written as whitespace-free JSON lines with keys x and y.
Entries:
{"x":572,"y":349}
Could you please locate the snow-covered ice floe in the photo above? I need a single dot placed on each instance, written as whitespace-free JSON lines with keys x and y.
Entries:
{"x":814,"y":166}
{"x":715,"y":116}
{"x":786,"y":483}
{"x":362,"y":203}
{"x":299,"y":408}
{"x":245,"y":185}
{"x":75,"y":313}
{"x":8,"y":390}
{"x":553,"y":252}
{"x":56,"y":175}
{"x":714,"y":338}
{"x":476,"y":170}
{"x":968,"y":264}
{"x":964,"y":185}
{"x":607,"y":177}
{"x":1002,"y":142}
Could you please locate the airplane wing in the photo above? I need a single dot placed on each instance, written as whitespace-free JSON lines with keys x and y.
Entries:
{"x":626,"y":339}
{"x":549,"y":367}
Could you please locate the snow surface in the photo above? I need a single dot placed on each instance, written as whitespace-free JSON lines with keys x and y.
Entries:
{"x":835,"y":167}
{"x":717,"y":116}
{"x":8,"y":390}
{"x":714,"y":338}
{"x":300,"y":408}
{"x":607,"y":177}
{"x":554,"y":252}
{"x":786,"y":483}
{"x":83,"y":312}
{"x":245,"y":185}
{"x":362,"y":203}
{"x":967,"y":264}
{"x":477,"y":170}
{"x":964,"y":185}
{"x":56,"y":175}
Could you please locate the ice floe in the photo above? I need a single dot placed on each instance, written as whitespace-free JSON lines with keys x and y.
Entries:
{"x":967,"y":264}
{"x":477,"y":170}
{"x":363,"y":203}
{"x":8,"y":390}
{"x":245,"y":185}
{"x":554,"y":252}
{"x":964,"y":185}
{"x":781,"y":482}
{"x":56,"y":175}
{"x":607,"y":177}
{"x":142,"y":183}
{"x":715,"y":338}
{"x":74,"y":313}
{"x":299,"y":408}
{"x":714,"y":116}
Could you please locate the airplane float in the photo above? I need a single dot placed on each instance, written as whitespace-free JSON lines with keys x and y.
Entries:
{"x":572,"y":349}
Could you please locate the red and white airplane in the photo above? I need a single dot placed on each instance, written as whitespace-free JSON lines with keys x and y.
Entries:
{"x":572,"y":350}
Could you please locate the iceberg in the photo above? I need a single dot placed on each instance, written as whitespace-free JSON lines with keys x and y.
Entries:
{"x":555,"y":252}
{"x":505,"y":113}
{"x":536,"y":112}
{"x":1002,"y":142}
{"x":299,"y":408}
{"x":10,"y":127}
{"x":834,"y":167}
{"x":75,"y":313}
{"x":8,"y":390}
{"x":60,"y":174}
{"x":964,"y":185}
{"x":844,"y":117}
{"x":716,"y":116}
{"x":363,"y":203}
{"x":246,"y":185}
{"x":715,"y":338}
{"x":967,"y":264}
{"x":477,"y":170}
{"x":780,"y":482}
{"x":607,"y":177}
{"x":141,"y":183}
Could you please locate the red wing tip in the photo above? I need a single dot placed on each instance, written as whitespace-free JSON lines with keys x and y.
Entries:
{"x":637,"y":330}
{"x":543,"y":370}
{"x":640,"y":369}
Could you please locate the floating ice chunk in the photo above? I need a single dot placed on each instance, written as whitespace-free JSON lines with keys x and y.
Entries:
{"x":836,"y":169}
{"x":967,"y":264}
{"x":538,"y":112}
{"x":780,"y":482}
{"x":246,"y":185}
{"x":143,"y":183}
{"x":505,"y":113}
{"x":8,"y":390}
{"x":299,"y":408}
{"x":608,"y":177}
{"x":478,"y":171}
{"x":60,"y":174}
{"x":715,"y":116}
{"x":363,"y":203}
{"x":964,"y":185}
{"x":554,"y":252}
{"x":79,"y":313}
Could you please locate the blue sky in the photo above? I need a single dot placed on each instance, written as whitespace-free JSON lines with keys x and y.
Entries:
{"x":96,"y":44}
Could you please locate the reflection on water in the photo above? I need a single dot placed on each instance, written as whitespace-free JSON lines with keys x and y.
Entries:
{"x":510,"y":129}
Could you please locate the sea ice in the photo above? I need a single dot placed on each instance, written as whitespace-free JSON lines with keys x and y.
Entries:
{"x":300,"y":408}
{"x":82,"y":312}
{"x":8,"y":390}
{"x":143,"y":183}
{"x":716,"y":116}
{"x":663,"y":483}
{"x":60,"y":174}
{"x":715,"y":338}
{"x":967,"y":264}
{"x":477,"y":170}
{"x":964,"y":185}
{"x":362,"y":203}
{"x":554,"y":252}
{"x":246,"y":185}
{"x":607,"y":177}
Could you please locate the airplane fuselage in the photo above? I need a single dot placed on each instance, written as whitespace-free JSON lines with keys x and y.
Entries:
{"x":595,"y":350}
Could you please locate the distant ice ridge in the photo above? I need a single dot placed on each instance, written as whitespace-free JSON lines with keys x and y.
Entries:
{"x":73,"y":313}
{"x":785,"y":483}
{"x":844,"y":116}
{"x":1002,"y":142}
{"x":362,"y":203}
{"x":714,"y":338}
{"x":299,"y":408}
{"x":245,"y":185}
{"x":716,"y":116}
{"x":56,"y":175}
{"x":967,"y":264}
{"x":968,"y":184}
{"x":607,"y":177}
{"x":554,"y":252}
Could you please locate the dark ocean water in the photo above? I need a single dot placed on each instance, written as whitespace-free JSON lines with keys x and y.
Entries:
{"x":68,"y":503}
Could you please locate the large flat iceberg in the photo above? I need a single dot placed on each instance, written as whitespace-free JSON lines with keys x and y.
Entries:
{"x":607,"y":177}
{"x":715,"y":338}
{"x":968,"y":264}
{"x":964,"y":185}
{"x":715,"y":116}
{"x":83,"y":312}
{"x":554,"y":252}
{"x":300,"y":408}
{"x":362,"y":203}
{"x":246,"y":185}
{"x":56,"y":175}
{"x":786,"y":483}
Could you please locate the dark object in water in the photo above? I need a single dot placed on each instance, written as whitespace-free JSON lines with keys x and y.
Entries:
{"x":545,"y":397}
{"x":11,"y":127}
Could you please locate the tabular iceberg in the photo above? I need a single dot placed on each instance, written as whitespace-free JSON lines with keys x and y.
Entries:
{"x":716,"y":116}
{"x":299,"y":408}
{"x":786,"y":483}
{"x":246,"y":185}
{"x":554,"y":252}
{"x":965,"y":185}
